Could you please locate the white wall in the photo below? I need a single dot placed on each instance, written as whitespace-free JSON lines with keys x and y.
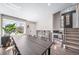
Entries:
{"x":32,"y":28}
{"x":77,"y":12}
{"x":56,"y":21}
{"x":75,"y":25}
{"x":39,"y":13}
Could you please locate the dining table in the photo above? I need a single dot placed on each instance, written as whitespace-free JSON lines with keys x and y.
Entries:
{"x":32,"y":46}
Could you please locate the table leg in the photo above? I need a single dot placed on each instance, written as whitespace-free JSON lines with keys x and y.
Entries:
{"x":49,"y":51}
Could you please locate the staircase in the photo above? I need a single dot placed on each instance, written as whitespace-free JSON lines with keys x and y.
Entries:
{"x":72,"y":39}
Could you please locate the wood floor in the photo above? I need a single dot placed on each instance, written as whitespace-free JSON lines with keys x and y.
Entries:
{"x":57,"y":49}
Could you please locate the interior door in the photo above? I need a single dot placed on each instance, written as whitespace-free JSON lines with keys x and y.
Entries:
{"x":68,"y":20}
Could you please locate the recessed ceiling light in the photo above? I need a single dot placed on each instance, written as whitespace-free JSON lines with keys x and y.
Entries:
{"x":49,"y":4}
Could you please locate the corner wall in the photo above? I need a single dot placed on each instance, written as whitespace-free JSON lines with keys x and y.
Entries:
{"x":0,"y":30}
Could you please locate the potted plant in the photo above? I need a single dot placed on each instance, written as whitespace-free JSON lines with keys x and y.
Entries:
{"x":8,"y":29}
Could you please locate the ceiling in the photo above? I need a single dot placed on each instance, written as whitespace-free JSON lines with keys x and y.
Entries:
{"x":38,"y":12}
{"x":60,"y":6}
{"x":53,"y":7}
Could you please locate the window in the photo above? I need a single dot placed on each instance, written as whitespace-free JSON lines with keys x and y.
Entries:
{"x":20,"y":24}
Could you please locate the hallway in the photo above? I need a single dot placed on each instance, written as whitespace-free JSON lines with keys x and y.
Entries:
{"x":57,"y":49}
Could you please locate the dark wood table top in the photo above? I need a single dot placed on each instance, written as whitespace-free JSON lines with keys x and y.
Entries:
{"x":28,"y":46}
{"x":43,"y":43}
